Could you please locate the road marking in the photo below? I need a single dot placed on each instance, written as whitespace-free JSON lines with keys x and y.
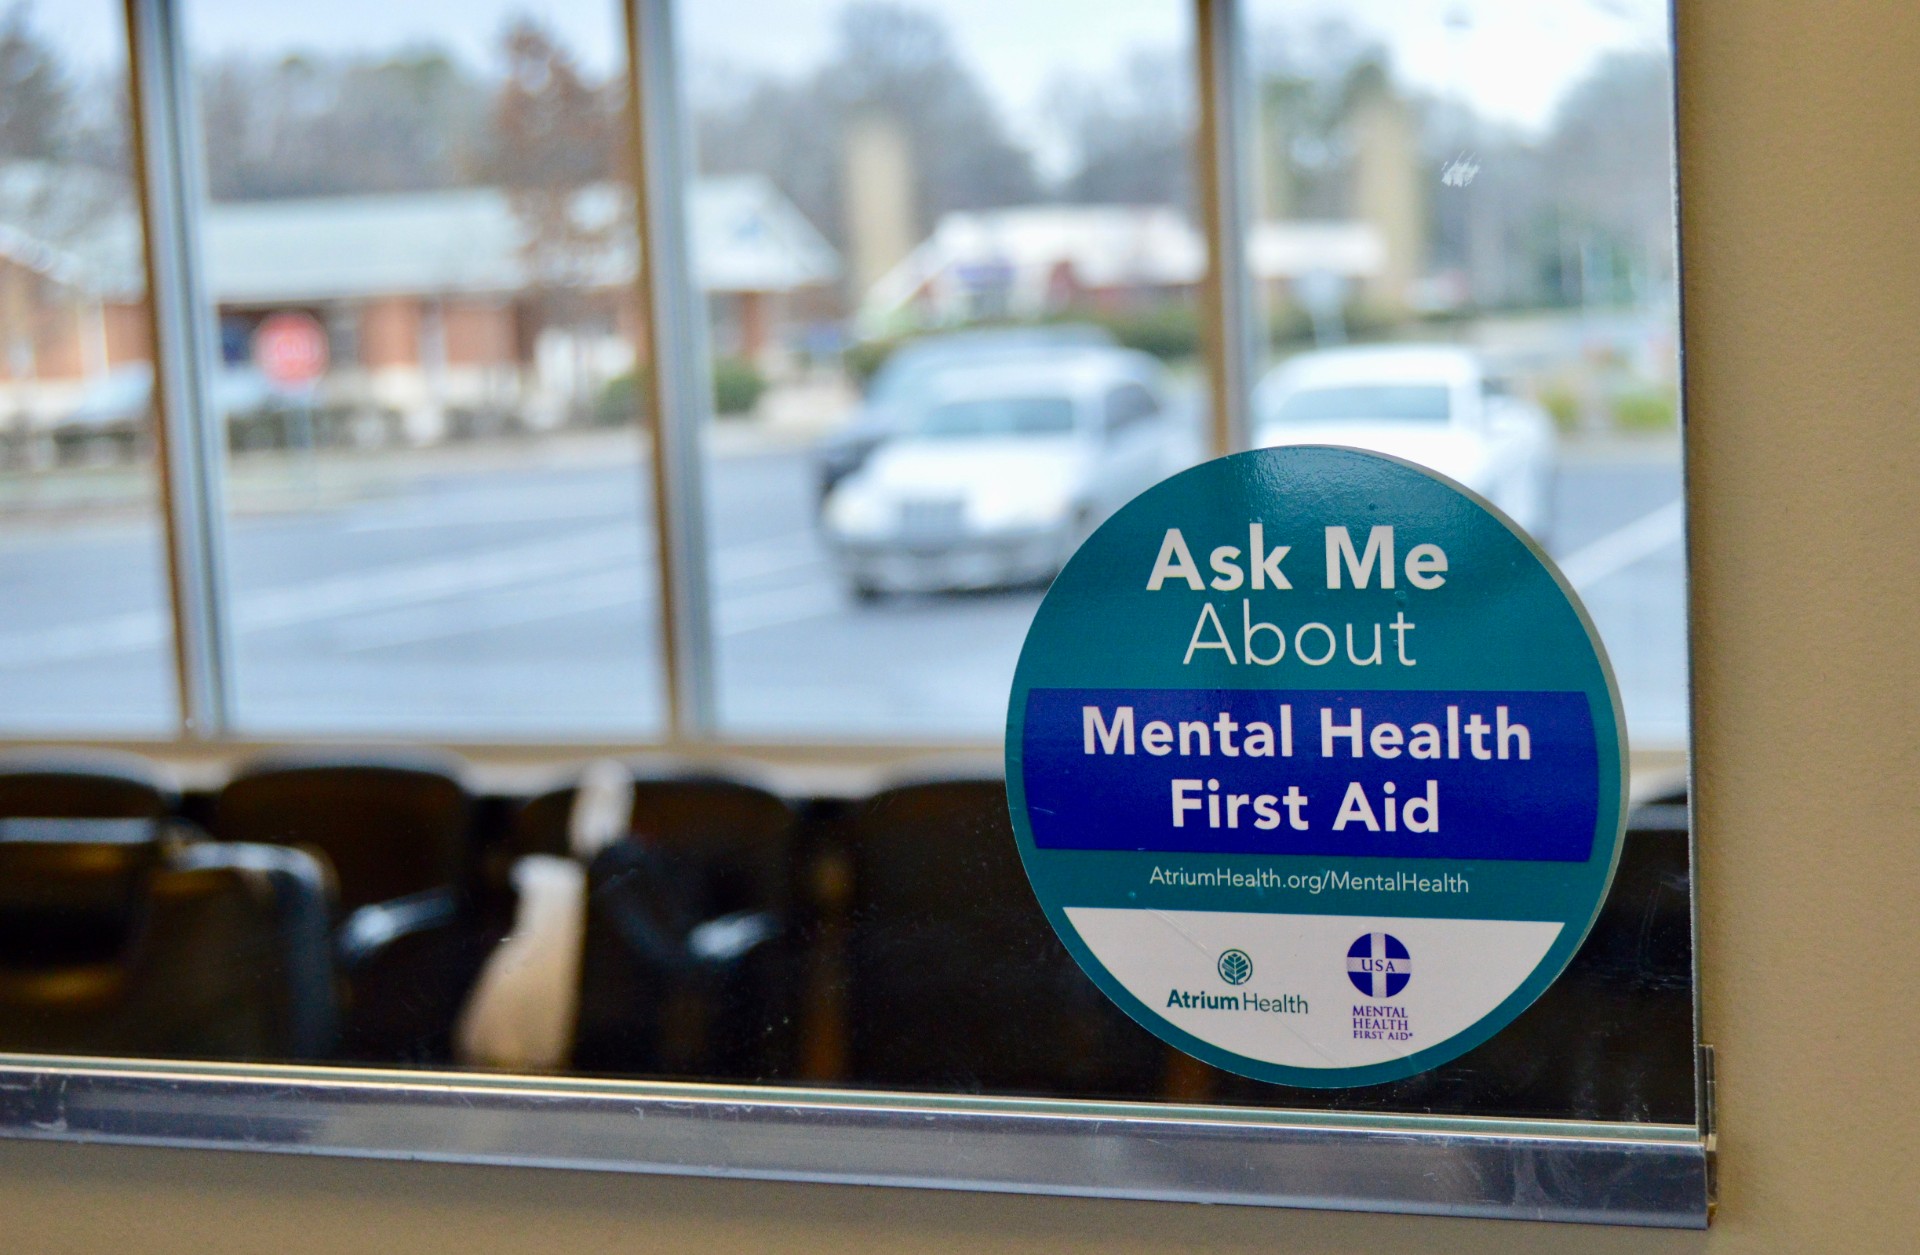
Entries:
{"x":416,"y":516}
{"x":758,"y":559}
{"x":1621,"y":548}
{"x":582,"y":564}
{"x":759,"y":611}
{"x":600,"y":590}
{"x":604,"y":590}
{"x":294,"y":605}
{"x":69,"y":642}
{"x":418,"y":582}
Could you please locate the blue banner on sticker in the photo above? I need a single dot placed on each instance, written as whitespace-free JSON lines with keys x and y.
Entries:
{"x":1316,"y":765}
{"x":1312,"y":772}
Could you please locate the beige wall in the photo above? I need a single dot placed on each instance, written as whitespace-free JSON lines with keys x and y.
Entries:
{"x":1802,"y":177}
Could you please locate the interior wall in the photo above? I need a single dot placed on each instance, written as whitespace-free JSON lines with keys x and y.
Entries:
{"x":1801,"y":174}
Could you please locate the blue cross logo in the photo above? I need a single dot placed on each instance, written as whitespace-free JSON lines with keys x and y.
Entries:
{"x":1378,"y":965}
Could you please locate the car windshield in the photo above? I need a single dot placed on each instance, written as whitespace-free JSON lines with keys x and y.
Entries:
{"x":909,"y":372}
{"x":998,"y":416}
{"x":1394,"y":403}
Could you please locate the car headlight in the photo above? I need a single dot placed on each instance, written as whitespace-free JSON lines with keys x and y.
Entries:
{"x":856,"y":510}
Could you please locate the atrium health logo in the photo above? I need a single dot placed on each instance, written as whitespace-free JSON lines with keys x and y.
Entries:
{"x":1235,"y":967}
{"x":1379,"y":965}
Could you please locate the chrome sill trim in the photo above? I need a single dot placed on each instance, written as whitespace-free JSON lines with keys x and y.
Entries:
{"x":1605,"y":1174}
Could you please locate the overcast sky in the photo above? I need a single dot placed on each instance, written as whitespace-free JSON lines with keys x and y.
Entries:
{"x":1511,"y":59}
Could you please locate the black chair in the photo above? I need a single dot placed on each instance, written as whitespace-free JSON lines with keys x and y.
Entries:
{"x":1611,"y":1039}
{"x":391,"y":825}
{"x":412,"y":961}
{"x":689,"y":969}
{"x":117,"y":943}
{"x":957,"y":981}
{"x":83,"y":784}
{"x":410,"y":964}
{"x":72,"y":888}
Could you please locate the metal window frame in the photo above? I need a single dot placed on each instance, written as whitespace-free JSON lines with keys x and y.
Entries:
{"x":191,"y":452}
{"x":1223,"y":165}
{"x":1647,"y":1175}
{"x":190,"y":449}
{"x":678,"y":406}
{"x":675,"y":341}
{"x":1656,"y":1175}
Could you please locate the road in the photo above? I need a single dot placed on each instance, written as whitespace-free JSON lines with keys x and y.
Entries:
{"x":518,"y":603}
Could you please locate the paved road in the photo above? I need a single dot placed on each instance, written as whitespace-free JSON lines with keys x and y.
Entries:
{"x":516,"y":603}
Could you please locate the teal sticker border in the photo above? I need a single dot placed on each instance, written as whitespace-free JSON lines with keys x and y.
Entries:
{"x":1330,"y":484}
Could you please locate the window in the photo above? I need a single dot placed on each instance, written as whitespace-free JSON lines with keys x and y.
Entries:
{"x":1463,"y":215}
{"x":955,"y":210}
{"x":85,"y":637}
{"x":419,"y":243}
{"x":952,"y":268}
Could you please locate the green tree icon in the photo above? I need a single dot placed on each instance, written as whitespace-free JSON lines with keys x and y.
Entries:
{"x":1235,"y":967}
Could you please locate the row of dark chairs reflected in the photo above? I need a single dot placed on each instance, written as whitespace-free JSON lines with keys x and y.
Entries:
{"x":341,"y":909}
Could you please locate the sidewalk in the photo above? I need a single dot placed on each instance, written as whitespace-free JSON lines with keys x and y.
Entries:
{"x":264,"y":483}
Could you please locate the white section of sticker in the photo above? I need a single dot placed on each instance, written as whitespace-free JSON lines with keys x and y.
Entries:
{"x":1302,"y":998}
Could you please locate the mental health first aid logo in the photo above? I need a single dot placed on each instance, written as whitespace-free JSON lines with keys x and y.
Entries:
{"x":1316,"y":765}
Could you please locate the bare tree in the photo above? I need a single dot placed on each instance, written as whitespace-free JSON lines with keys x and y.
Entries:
{"x":1131,"y":139}
{"x":310,"y":125}
{"x":36,"y":94}
{"x":65,"y":137}
{"x":555,"y":149}
{"x":1609,"y":161}
{"x":889,"y":59}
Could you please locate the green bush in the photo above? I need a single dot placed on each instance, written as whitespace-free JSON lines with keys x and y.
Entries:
{"x":619,"y":401}
{"x":864,"y":358}
{"x":1169,"y":331}
{"x":1563,"y":404}
{"x":1645,"y":410}
{"x":736,"y":386}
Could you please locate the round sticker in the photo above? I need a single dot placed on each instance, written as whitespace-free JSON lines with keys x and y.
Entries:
{"x":1316,"y":765}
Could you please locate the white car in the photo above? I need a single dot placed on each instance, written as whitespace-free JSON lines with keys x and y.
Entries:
{"x":1001,"y":472}
{"x":1431,"y":404}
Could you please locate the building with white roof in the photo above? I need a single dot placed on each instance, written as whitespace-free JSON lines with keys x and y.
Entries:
{"x":1035,"y":261}
{"x":433,"y":302}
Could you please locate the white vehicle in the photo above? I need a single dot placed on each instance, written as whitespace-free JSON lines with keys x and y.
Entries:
{"x":1430,"y":404}
{"x":1001,"y":473}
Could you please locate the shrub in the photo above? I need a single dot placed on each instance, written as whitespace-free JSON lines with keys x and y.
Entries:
{"x":619,"y":401}
{"x":1563,"y":404}
{"x":1169,"y":331}
{"x":1645,"y":410}
{"x":736,"y":386}
{"x":863,"y":358}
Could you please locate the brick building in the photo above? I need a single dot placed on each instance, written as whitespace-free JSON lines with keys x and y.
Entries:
{"x":442,"y":309}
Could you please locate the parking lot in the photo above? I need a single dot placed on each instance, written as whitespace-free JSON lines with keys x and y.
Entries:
{"x":514,"y":598}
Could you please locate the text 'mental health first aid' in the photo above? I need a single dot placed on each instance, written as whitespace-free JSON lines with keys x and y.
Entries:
{"x":1316,"y":765}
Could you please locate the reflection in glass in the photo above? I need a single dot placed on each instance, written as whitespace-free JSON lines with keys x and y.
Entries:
{"x":1487,"y":184}
{"x":84,"y":629}
{"x":985,"y":197}
{"x":420,"y":242}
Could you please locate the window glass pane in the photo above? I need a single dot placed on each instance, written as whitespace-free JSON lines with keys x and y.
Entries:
{"x":935,"y":237}
{"x":1464,"y":240}
{"x":85,"y":633}
{"x":420,"y":242}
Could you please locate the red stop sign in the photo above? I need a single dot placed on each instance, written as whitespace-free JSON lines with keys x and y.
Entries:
{"x":290,"y":348}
